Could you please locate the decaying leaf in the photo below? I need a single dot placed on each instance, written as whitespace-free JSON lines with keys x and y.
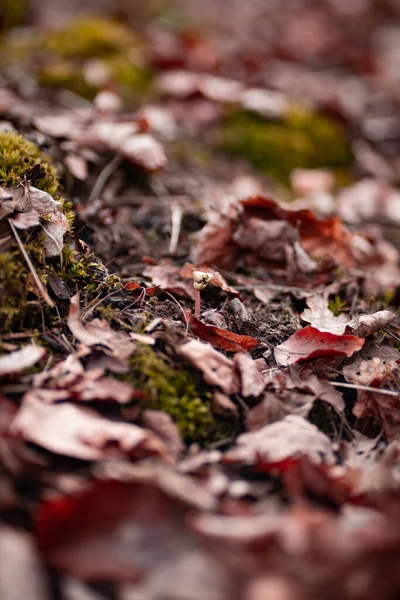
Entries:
{"x":20,"y":360}
{"x":84,"y":535}
{"x":33,"y":204}
{"x":167,"y":276}
{"x":217,"y":369}
{"x":187,"y":273}
{"x":164,"y":427}
{"x":99,"y":333}
{"x":251,"y":379}
{"x":290,"y":437}
{"x":320,"y":317}
{"x":80,"y":433}
{"x":291,"y":391}
{"x":309,"y":343}
{"x":384,"y":407}
{"x":220,"y":338}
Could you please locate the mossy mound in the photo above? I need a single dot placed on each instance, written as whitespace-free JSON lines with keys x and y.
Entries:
{"x":302,"y":140}
{"x":21,"y":306}
{"x":18,"y":156}
{"x":85,"y":56}
{"x":177,"y":393}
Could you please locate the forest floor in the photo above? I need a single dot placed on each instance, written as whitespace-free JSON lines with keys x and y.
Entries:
{"x":199,"y":303}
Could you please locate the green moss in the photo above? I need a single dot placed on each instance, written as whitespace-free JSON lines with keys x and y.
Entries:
{"x":302,"y":140}
{"x":67,"y":58}
{"x":176,"y":393}
{"x":18,"y":156}
{"x":337,"y":305}
{"x":90,"y":37}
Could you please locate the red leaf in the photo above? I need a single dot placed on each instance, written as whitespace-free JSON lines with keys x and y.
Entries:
{"x":309,"y":343}
{"x":220,"y":338}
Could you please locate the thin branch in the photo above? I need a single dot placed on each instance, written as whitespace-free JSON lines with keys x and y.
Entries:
{"x":176,"y":221}
{"x":365,"y":388}
{"x":103,"y":177}
{"x":183,"y":312}
{"x":39,"y":284}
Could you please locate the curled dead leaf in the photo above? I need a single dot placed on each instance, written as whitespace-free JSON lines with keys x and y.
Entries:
{"x":220,"y":338}
{"x":309,"y":343}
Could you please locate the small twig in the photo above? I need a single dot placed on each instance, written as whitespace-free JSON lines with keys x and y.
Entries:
{"x":176,"y":221}
{"x":90,"y":309}
{"x":393,"y":335}
{"x":39,"y":284}
{"x":365,"y":388}
{"x":181,"y":309}
{"x":197,"y":304}
{"x":138,"y":200}
{"x":272,"y":286}
{"x":103,"y":177}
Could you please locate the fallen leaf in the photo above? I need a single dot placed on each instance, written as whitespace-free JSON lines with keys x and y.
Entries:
{"x":85,"y":535}
{"x":292,"y":436}
{"x":34,"y":203}
{"x":81,"y":433}
{"x":220,"y":338}
{"x":251,"y":380}
{"x":164,"y":427}
{"x":127,"y":139}
{"x":99,"y":333}
{"x":22,"y":573}
{"x":217,"y":369}
{"x":303,"y":242}
{"x":20,"y":360}
{"x":309,"y":343}
{"x":384,"y":407}
{"x":291,"y":391}
{"x":307,"y":182}
{"x":369,"y":200}
{"x":322,"y":318}
{"x":167,"y":276}
{"x":187,"y":273}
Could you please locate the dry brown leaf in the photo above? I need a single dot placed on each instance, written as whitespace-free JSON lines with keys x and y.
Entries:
{"x":34,"y":203}
{"x":251,"y":379}
{"x":291,"y":391}
{"x":309,"y":343}
{"x":290,"y":437}
{"x":22,"y":574}
{"x":20,"y":360}
{"x":378,"y":374}
{"x":217,"y":369}
{"x":81,"y":433}
{"x":99,"y":333}
{"x":187,"y":273}
{"x":322,"y":318}
{"x":168,"y":277}
{"x":164,"y":427}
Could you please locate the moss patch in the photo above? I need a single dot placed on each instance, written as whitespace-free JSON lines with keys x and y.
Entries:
{"x":303,"y":140}
{"x":18,"y":156}
{"x":20,"y":306}
{"x":177,"y":393}
{"x":86,"y":55}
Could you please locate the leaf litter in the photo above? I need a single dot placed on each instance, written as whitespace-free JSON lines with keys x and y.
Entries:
{"x":249,"y":450}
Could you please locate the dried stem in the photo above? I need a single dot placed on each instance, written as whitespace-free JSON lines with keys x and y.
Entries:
{"x":176,"y":221}
{"x":42,"y":290}
{"x":196,"y":303}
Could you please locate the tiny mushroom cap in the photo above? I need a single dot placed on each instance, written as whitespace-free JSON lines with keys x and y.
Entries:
{"x":201,"y":279}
